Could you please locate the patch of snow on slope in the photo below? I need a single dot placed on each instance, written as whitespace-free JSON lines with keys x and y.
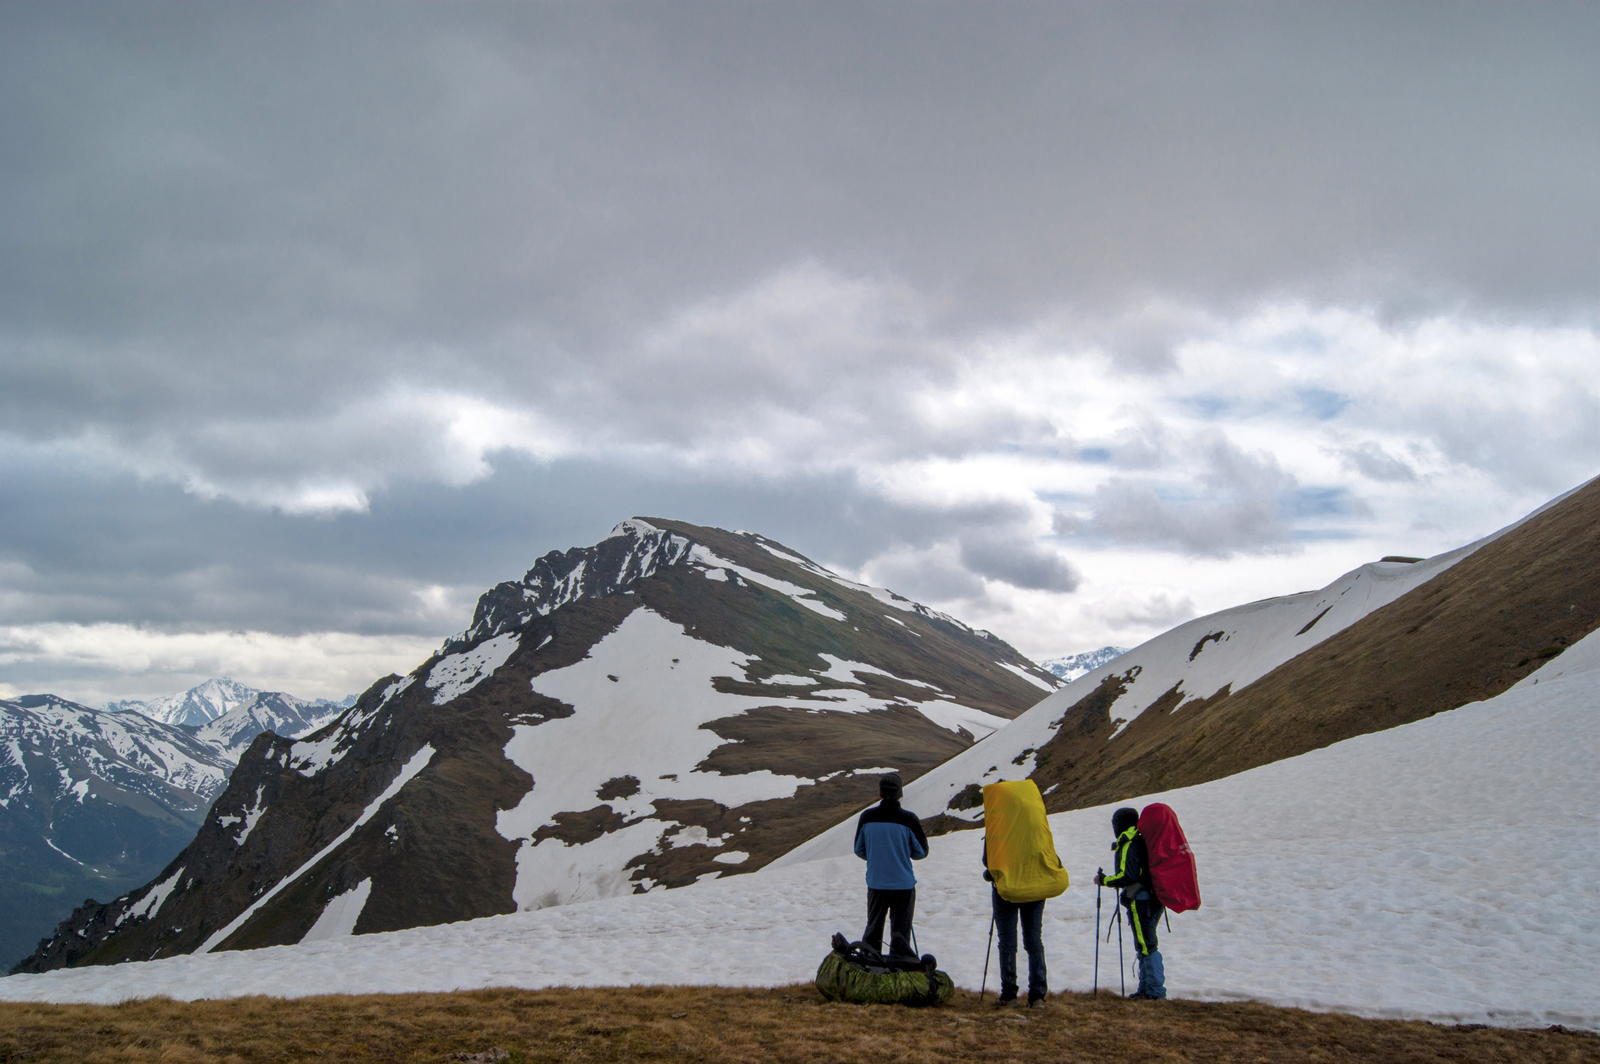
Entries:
{"x":1581,"y":657}
{"x":955,"y":717}
{"x":947,"y":714}
{"x":788,"y":557}
{"x":803,"y":595}
{"x":1026,"y":675}
{"x":251,"y":817}
{"x":152,"y":902}
{"x":1442,"y":914}
{"x":311,"y":757}
{"x":646,"y":724}
{"x":456,"y":674}
{"x":339,"y":916}
{"x":638,"y":714}
{"x":418,"y":762}
{"x":845,"y":672}
{"x":64,"y":853}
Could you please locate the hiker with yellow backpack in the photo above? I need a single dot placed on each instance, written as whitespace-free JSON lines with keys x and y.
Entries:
{"x":1019,"y":859}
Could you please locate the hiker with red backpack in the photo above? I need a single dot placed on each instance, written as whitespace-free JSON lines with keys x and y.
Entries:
{"x":1153,"y":874}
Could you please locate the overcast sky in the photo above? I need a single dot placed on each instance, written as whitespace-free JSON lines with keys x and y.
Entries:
{"x":1073,"y":320}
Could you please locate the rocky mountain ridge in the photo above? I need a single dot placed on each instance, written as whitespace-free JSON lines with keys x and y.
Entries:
{"x":673,"y":703}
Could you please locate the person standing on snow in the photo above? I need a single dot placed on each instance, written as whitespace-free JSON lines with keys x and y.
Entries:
{"x":889,"y":838}
{"x":1130,"y":873}
{"x":1006,"y":916}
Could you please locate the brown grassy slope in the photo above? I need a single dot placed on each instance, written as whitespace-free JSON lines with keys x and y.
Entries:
{"x":710,"y":1024}
{"x":1467,"y":634}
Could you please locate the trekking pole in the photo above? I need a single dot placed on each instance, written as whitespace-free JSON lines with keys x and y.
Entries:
{"x":1097,"y":893}
{"x":1122,"y":965}
{"x":987,"y":950}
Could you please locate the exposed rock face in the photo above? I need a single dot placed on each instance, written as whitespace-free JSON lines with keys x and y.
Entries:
{"x":673,"y":703}
{"x":1384,"y":645}
{"x":90,"y":802}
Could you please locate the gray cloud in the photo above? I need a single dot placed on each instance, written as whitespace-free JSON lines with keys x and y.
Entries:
{"x":1373,"y":462}
{"x":307,"y":309}
{"x":1239,"y":509}
{"x":1158,"y":611}
{"x":1018,"y":562}
{"x":84,"y":546}
{"x":483,"y":194}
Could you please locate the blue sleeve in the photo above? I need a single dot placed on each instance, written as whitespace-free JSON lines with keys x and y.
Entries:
{"x":861,"y":843}
{"x":919,"y":846}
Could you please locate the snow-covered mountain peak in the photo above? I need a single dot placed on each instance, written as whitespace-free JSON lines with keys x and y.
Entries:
{"x":1073,"y":666}
{"x":194,"y":707}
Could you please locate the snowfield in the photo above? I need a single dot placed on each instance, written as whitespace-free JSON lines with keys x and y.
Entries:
{"x":1443,"y":870}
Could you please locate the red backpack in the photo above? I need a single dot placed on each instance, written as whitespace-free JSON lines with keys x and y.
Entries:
{"x":1172,"y":870}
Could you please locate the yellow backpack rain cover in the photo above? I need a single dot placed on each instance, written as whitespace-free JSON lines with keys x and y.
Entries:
{"x":1021,"y":851}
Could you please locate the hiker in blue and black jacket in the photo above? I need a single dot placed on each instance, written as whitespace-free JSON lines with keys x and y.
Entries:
{"x":1130,"y":873}
{"x":889,"y":838}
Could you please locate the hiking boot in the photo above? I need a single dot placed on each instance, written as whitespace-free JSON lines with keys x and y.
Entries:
{"x":1035,"y":1002}
{"x":1004,"y":1003}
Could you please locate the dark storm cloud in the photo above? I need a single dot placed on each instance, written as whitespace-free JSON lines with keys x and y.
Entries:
{"x":330,"y":182}
{"x":217,"y":207}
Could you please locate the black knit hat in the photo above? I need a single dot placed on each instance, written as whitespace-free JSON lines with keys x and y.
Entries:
{"x":1124,"y":818}
{"x":889,"y":786}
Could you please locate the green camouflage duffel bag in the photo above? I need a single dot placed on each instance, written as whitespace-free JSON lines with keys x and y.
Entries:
{"x":854,"y":973}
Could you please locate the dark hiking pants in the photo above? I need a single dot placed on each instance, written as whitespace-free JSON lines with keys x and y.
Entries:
{"x":898,"y":906}
{"x":1143,"y":916}
{"x":1006,"y":916}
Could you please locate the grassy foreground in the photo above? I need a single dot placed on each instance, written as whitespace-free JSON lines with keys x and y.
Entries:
{"x":701,"y":1023}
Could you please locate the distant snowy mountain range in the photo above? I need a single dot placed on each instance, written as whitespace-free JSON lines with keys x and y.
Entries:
{"x":671,"y":704}
{"x":94,"y":802}
{"x":217,"y":698}
{"x":1070,"y":668}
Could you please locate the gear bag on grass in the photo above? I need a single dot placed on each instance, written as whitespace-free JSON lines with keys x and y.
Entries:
{"x":1021,"y":851}
{"x":1172,"y":870}
{"x":860,"y":975}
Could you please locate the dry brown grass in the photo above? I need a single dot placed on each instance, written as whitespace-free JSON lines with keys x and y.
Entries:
{"x":708,"y":1024}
